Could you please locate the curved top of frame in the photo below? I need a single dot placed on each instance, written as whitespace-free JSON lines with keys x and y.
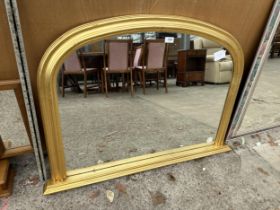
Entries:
{"x":98,"y":30}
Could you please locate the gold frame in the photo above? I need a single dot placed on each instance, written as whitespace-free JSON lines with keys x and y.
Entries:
{"x":61,"y":179}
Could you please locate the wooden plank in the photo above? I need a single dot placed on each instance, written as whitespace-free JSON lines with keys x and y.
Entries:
{"x":2,"y":147}
{"x":17,"y":151}
{"x":4,"y":168}
{"x":9,"y":84}
{"x":7,"y":188}
{"x":8,"y":68}
{"x":21,"y":105}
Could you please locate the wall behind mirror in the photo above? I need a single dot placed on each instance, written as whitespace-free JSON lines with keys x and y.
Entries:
{"x":99,"y":129}
{"x":263,"y":110}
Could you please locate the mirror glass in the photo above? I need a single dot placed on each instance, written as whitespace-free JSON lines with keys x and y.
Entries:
{"x":141,"y":93}
{"x":12,"y":129}
{"x":263,"y":110}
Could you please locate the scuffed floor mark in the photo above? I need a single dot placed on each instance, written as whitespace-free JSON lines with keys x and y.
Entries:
{"x":5,"y":204}
{"x":263,"y":171}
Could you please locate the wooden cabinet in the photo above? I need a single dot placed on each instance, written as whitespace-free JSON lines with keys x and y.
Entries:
{"x":191,"y":67}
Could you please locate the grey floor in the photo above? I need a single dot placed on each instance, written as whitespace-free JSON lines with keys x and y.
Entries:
{"x":97,"y":128}
{"x":12,"y":129}
{"x":264,"y":105}
{"x":240,"y":179}
{"x":248,"y":177}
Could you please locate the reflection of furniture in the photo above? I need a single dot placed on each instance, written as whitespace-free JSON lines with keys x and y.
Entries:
{"x":191,"y":66}
{"x":94,"y":60}
{"x":172,"y":58}
{"x":8,"y":151}
{"x":137,"y":56}
{"x":16,"y":86}
{"x":153,"y":63}
{"x":215,"y":71}
{"x":138,"y":53}
{"x":118,"y":61}
{"x":72,"y":66}
{"x":275,"y":45}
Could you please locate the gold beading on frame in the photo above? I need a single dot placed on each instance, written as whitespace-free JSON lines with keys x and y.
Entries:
{"x":102,"y":29}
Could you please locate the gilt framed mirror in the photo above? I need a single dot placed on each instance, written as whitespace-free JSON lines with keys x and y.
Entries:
{"x":105,"y":29}
{"x":184,"y":111}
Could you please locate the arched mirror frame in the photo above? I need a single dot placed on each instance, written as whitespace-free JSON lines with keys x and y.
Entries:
{"x":61,"y":179}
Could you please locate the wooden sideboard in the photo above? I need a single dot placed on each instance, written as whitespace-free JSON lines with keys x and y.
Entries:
{"x":191,"y":67}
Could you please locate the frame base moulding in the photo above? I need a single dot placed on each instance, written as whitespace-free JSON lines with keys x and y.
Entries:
{"x":111,"y":170}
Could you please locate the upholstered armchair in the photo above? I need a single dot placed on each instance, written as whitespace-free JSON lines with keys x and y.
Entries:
{"x":215,"y":71}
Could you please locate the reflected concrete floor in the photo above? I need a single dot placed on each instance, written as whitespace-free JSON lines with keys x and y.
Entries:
{"x":12,"y":128}
{"x":264,"y":108}
{"x":99,"y":129}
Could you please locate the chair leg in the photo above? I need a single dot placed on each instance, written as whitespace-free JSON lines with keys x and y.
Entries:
{"x":158,"y":80}
{"x":165,"y":81}
{"x":62,"y":84}
{"x":98,"y":81}
{"x":123,"y":81}
{"x":140,"y":79}
{"x":102,"y":81}
{"x":106,"y":86}
{"x":144,"y":82}
{"x":85,"y":85}
{"x":134,"y":79}
{"x":131,"y":84}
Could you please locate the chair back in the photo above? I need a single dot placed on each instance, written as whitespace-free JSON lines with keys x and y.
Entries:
{"x":118,"y":55}
{"x":137,"y":56}
{"x":72,"y":63}
{"x":156,"y":54}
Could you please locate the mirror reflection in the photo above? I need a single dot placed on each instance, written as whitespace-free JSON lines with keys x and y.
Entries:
{"x":12,"y":129}
{"x":139,"y":94}
{"x":263,"y":110}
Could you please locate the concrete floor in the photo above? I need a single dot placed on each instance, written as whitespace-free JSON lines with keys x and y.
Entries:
{"x":245,"y":178}
{"x":240,"y":179}
{"x":97,"y":128}
{"x":12,"y":128}
{"x":264,"y":107}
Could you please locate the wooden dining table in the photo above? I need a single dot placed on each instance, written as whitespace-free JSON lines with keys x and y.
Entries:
{"x":96,"y":60}
{"x":92,"y":59}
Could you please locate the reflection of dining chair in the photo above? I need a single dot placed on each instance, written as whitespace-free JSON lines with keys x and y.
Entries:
{"x":117,"y":61}
{"x":72,"y":66}
{"x":136,"y":60}
{"x":154,"y":62}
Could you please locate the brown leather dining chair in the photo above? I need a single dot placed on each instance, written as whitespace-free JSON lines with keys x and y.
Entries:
{"x":154,"y":63}
{"x":72,"y":66}
{"x":117,"y":61}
